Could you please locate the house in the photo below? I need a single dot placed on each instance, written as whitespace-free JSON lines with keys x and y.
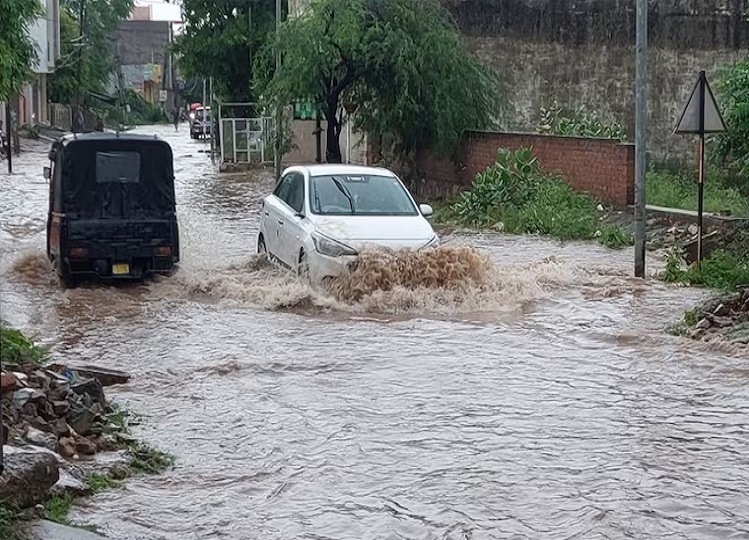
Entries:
{"x":45,"y":33}
{"x":144,"y":62}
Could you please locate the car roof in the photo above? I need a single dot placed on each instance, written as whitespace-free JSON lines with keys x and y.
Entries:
{"x":108,"y":136}
{"x":342,"y":168}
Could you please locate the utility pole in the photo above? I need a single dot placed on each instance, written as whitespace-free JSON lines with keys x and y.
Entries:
{"x":8,"y":153}
{"x":279,"y":109}
{"x":205,"y":112}
{"x":641,"y":75}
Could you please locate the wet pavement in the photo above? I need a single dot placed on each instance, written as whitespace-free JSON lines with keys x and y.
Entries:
{"x":544,"y":401}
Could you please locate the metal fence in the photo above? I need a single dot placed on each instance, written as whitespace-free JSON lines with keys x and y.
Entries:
{"x":247,"y":140}
{"x":61,"y":117}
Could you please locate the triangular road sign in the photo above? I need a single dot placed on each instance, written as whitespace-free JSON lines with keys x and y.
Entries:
{"x":701,"y":114}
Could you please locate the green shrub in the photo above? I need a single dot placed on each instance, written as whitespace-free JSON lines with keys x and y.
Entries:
{"x":16,"y":348}
{"x":724,"y":269}
{"x":679,"y":190}
{"x":578,"y":122}
{"x":516,"y":196}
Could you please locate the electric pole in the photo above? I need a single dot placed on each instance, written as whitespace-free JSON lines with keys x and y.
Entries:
{"x":641,"y":76}
{"x":279,"y":109}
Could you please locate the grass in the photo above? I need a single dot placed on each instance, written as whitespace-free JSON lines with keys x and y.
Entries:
{"x":724,"y":269}
{"x":515,"y":196}
{"x":690,"y":318}
{"x":679,"y":190}
{"x":10,"y":523}
{"x":15,"y":348}
{"x":57,"y":508}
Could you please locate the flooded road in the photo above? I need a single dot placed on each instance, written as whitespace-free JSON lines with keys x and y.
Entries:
{"x":543,"y":401}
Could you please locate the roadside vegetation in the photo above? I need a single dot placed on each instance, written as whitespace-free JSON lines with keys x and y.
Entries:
{"x":578,"y":122}
{"x":17,"y":349}
{"x":678,"y":189}
{"x":516,"y":196}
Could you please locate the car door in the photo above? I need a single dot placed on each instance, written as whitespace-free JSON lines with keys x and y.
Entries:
{"x":273,"y":217}
{"x":293,"y":214}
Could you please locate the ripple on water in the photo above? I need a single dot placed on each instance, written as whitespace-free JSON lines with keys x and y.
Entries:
{"x":561,"y":411}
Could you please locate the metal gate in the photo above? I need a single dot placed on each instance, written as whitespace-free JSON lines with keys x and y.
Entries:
{"x":246,"y":140}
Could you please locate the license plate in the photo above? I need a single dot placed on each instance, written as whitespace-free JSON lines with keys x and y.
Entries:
{"x":120,"y":269}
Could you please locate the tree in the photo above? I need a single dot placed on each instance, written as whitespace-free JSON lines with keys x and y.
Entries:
{"x":402,"y":63}
{"x":87,"y":28}
{"x":17,"y":50}
{"x":219,"y":40}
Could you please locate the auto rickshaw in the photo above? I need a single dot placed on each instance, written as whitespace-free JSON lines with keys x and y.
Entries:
{"x":112,"y":210}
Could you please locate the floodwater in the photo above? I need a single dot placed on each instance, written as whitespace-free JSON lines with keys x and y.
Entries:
{"x":535,"y":395}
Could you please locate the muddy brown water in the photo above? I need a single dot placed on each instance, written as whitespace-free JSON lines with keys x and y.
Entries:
{"x":533,"y":396}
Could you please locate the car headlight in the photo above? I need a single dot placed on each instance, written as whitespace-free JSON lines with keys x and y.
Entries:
{"x":433,"y":243}
{"x":331,"y":248}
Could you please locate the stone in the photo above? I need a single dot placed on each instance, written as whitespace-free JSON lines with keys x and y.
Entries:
{"x":105,"y":376}
{"x":693,"y":229}
{"x":25,"y":395}
{"x":49,"y":530}
{"x":85,"y":446}
{"x":722,"y":322}
{"x":703,"y":324}
{"x":66,"y":447}
{"x":29,"y":410}
{"x":89,"y":387}
{"x":698,"y":333}
{"x":40,"y":438}
{"x":70,"y":484}
{"x":106,"y":443}
{"x":28,"y":476}
{"x":81,"y":418}
{"x":9,"y":382}
{"x":60,"y":427}
{"x":721,"y":311}
{"x":60,"y":408}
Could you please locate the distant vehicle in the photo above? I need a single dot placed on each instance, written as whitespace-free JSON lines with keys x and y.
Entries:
{"x":112,"y":210}
{"x":200,"y":125}
{"x":319,"y":218}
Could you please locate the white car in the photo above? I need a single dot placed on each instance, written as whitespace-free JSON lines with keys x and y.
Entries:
{"x":320,"y":217}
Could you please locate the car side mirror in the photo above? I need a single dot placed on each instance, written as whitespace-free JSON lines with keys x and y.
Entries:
{"x":47,"y":173}
{"x":426,"y":210}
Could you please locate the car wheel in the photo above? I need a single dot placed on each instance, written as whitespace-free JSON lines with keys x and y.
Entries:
{"x":302,"y":269}
{"x":67,"y":280}
{"x":261,"y":245}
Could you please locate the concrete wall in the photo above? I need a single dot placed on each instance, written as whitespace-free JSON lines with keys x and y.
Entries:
{"x":581,"y":52}
{"x":602,"y":168}
{"x":144,"y":62}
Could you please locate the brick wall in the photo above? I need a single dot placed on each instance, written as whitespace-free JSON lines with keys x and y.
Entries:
{"x":602,"y":168}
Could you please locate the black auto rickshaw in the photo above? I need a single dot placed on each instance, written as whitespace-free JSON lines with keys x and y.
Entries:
{"x":112,"y":211}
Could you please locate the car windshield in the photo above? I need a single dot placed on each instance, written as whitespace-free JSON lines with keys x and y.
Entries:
{"x":369,"y":195}
{"x":201,"y":113}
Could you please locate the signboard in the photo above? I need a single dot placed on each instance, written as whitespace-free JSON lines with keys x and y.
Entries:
{"x":701,"y":115}
{"x":304,"y":110}
{"x":162,"y":96}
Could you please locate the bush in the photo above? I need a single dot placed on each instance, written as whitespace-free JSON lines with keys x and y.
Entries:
{"x":16,"y":348}
{"x":516,"y":196}
{"x":679,"y":190}
{"x":725,"y":269}
{"x":556,"y":120}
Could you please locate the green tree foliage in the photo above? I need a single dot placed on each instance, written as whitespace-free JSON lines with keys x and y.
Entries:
{"x":401,"y":62}
{"x":87,"y":28}
{"x":731,"y":149}
{"x":17,"y":50}
{"x":217,"y":42}
{"x":579,"y":122}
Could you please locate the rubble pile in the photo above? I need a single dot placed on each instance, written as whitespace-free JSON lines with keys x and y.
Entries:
{"x":725,"y":318}
{"x":51,"y":413}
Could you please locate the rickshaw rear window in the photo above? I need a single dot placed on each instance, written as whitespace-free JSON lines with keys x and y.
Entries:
{"x":118,"y":167}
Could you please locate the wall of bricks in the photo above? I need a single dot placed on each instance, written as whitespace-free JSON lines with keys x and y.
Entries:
{"x":602,"y":168}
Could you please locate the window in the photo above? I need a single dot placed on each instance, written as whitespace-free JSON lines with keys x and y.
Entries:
{"x":296,"y":195}
{"x":291,"y":191}
{"x":118,"y":167}
{"x":283,"y":187}
{"x":360,"y":195}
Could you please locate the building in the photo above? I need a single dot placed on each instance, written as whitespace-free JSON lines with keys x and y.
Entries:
{"x":45,"y":33}
{"x":141,"y":52}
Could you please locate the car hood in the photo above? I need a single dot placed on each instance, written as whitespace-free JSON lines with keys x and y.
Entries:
{"x":390,"y":231}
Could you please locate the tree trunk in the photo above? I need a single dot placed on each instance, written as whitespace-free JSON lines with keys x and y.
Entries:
{"x":333,"y":142}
